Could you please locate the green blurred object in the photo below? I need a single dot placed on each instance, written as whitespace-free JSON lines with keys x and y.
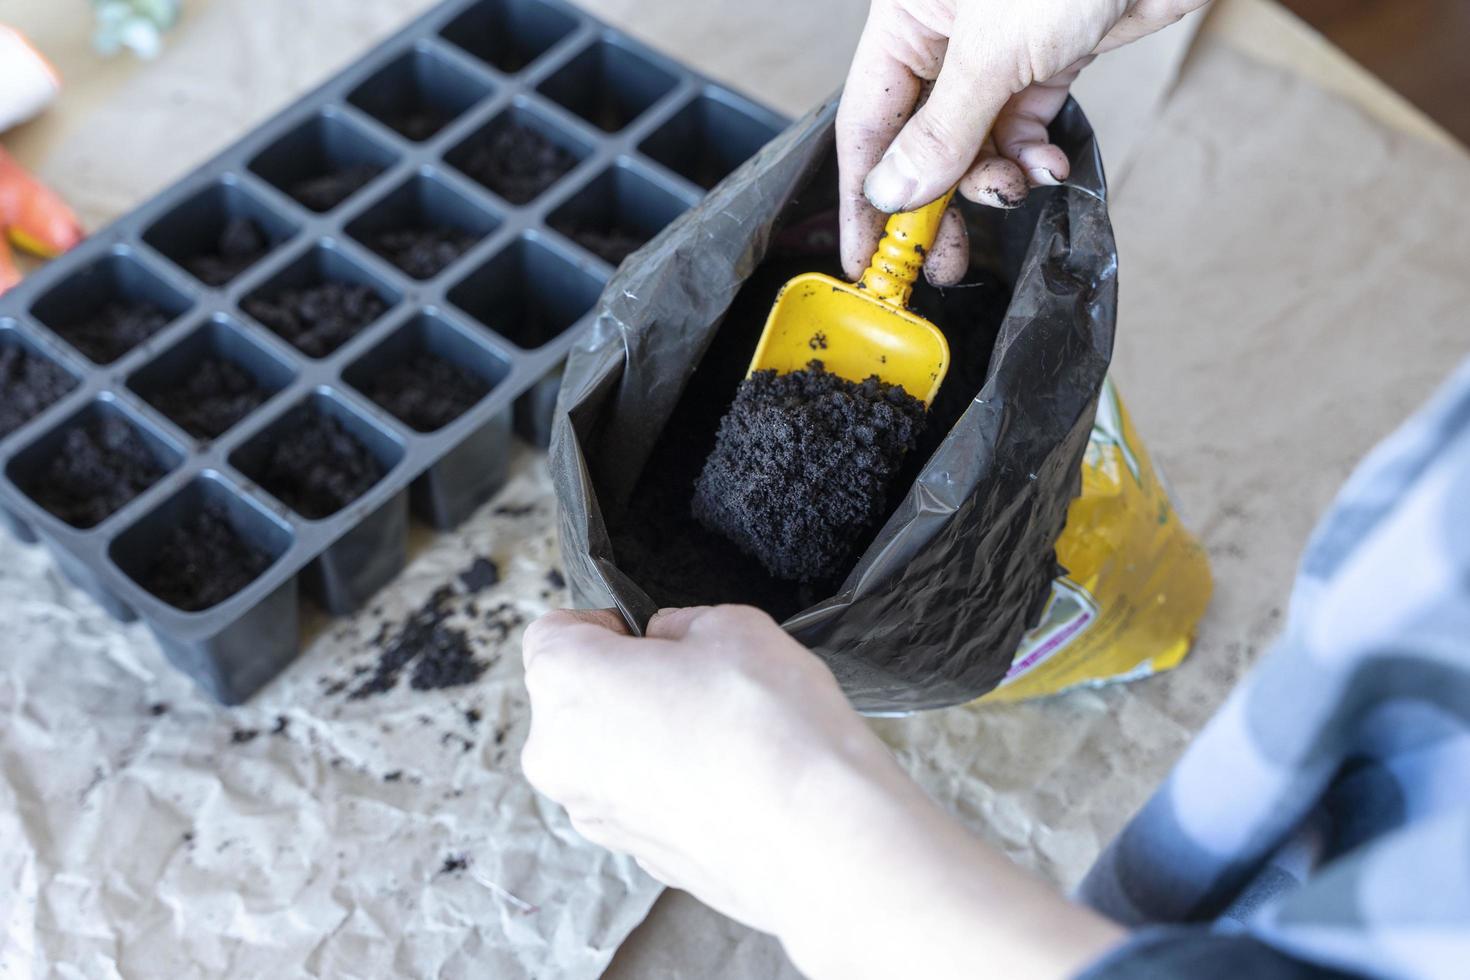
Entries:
{"x":137,"y":25}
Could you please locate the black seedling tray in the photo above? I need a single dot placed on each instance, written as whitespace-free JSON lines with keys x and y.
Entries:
{"x":641,"y":140}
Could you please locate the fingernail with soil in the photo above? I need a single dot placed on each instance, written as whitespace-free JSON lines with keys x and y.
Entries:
{"x":890,"y":186}
{"x":1042,"y":177}
{"x":996,"y":198}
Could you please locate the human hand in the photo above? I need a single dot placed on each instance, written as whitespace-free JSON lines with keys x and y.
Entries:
{"x":1000,"y":72}
{"x":723,"y":756}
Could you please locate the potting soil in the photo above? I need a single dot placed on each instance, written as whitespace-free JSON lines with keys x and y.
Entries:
{"x":803,"y":466}
{"x":518,"y":163}
{"x":425,"y":391}
{"x":100,"y":466}
{"x":114,"y":329}
{"x":203,"y":562}
{"x":317,"y":467}
{"x":28,"y":386}
{"x":319,"y":318}
{"x":421,"y":252}
{"x":240,"y":244}
{"x":324,"y":192}
{"x":212,"y":397}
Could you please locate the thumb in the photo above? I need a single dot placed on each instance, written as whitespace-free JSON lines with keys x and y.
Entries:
{"x":942,"y":139}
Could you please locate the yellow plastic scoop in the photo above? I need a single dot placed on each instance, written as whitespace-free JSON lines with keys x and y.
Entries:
{"x":865,"y":328}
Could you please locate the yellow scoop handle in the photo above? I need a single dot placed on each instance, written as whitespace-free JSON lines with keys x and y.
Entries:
{"x":906,"y":241}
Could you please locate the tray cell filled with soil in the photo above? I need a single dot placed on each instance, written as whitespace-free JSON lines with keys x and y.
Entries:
{"x":201,"y":547}
{"x":319,"y":457}
{"x":323,"y":161}
{"x":419,"y":94}
{"x":218,"y":233}
{"x":608,"y":85}
{"x":93,"y":465}
{"x":428,"y":373}
{"x":320,"y":301}
{"x":509,"y":34}
{"x":518,"y":155}
{"x":707,"y":139}
{"x":529,"y":293}
{"x":30,"y":381}
{"x":617,"y":213}
{"x":423,"y":226}
{"x":109,"y":307}
{"x":212,"y":380}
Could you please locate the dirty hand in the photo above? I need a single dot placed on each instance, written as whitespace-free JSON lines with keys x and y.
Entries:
{"x":1000,"y":71}
{"x":724,"y":757}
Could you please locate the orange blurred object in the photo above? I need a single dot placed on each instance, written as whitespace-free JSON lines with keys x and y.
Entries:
{"x":33,"y":217}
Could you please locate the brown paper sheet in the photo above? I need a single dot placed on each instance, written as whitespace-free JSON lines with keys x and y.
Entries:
{"x":1269,"y":237}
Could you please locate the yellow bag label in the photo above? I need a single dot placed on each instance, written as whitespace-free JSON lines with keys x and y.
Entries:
{"x":1137,"y":582}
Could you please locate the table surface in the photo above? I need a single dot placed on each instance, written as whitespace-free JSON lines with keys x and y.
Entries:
{"x":681,"y":937}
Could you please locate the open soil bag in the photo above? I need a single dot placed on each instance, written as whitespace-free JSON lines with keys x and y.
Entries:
{"x":930,"y":611}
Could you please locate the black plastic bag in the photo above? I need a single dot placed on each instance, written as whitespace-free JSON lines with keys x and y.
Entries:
{"x":933,"y":609}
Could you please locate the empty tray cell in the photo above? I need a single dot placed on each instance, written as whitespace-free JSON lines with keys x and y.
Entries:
{"x":608,"y":85}
{"x":109,"y":307}
{"x":319,"y":457}
{"x":30,"y":382}
{"x":428,"y":373}
{"x":218,"y":233}
{"x":92,"y":465}
{"x":423,"y":226}
{"x":519,"y":154}
{"x":212,"y":379}
{"x":418,"y":94}
{"x":707,"y":139}
{"x":323,"y":162}
{"x":528,"y":294}
{"x":321,"y":301}
{"x":202,"y":546}
{"x":509,"y":34}
{"x":617,"y":213}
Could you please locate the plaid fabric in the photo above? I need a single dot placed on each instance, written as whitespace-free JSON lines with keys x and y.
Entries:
{"x":1321,"y":822}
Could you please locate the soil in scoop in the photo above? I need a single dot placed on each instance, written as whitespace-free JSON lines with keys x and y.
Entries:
{"x":211,"y":398}
{"x":426,"y":391}
{"x":240,"y":244}
{"x":612,"y":243}
{"x":100,"y":466}
{"x":28,"y":385}
{"x":802,"y":466}
{"x":421,"y":252}
{"x":656,"y":538}
{"x":324,"y":192}
{"x":518,"y":163}
{"x":320,"y":318}
{"x":114,"y":329}
{"x":203,"y":563}
{"x":316,"y":467}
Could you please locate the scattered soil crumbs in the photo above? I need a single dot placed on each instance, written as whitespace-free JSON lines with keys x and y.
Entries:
{"x":240,"y":245}
{"x":325,"y":191}
{"x":472,"y":716}
{"x":282,"y":723}
{"x":212,"y":397}
{"x":28,"y":386}
{"x":317,"y":467}
{"x":113,"y":330}
{"x":438,"y":655}
{"x":320,"y":318}
{"x":426,"y":391}
{"x":241,"y":736}
{"x":203,"y":563}
{"x":556,"y":579}
{"x":419,"y":124}
{"x":518,"y":163}
{"x":480,"y":576}
{"x":421,"y":252}
{"x":100,"y":466}
{"x":611,"y":244}
{"x":454,"y":863}
{"x":157,"y":709}
{"x":803,"y":465}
